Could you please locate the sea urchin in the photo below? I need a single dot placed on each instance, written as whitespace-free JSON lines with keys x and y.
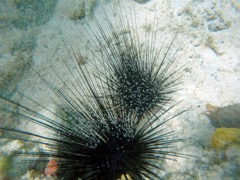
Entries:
{"x":100,"y":131}
{"x":135,"y":71}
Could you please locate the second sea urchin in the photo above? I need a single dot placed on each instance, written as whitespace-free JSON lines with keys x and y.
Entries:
{"x":135,"y":70}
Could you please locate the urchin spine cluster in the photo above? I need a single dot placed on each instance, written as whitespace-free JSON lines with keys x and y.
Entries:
{"x":136,"y":75}
{"x":116,"y":128}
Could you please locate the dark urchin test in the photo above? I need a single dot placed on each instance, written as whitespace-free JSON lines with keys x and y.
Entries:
{"x":110,"y":123}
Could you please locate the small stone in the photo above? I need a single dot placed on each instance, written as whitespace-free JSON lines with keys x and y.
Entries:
{"x":228,"y":116}
{"x":141,"y":1}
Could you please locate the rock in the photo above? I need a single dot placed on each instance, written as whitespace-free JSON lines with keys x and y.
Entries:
{"x":77,"y":9}
{"x":19,"y":21}
{"x":141,"y":1}
{"x":33,"y":12}
{"x":228,"y":116}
